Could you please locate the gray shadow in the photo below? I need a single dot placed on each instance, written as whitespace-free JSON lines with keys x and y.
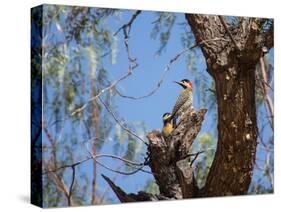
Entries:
{"x":24,"y":198}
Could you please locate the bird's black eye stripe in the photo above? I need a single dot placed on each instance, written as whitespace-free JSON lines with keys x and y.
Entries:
{"x":165,"y":114}
{"x":185,"y":80}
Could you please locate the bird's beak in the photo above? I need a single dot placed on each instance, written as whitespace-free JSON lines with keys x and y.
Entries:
{"x":178,"y":82}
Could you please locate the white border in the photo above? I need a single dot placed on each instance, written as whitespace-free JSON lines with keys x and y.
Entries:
{"x":14,"y":112}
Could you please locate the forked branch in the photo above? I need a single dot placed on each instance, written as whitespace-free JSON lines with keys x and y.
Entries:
{"x":171,"y":167}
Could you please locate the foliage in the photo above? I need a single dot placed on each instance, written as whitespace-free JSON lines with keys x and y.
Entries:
{"x":76,"y":40}
{"x":163,"y":26}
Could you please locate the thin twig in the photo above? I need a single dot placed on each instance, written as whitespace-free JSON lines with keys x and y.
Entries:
{"x":119,"y":123}
{"x":265,"y":148}
{"x":71,"y":187}
{"x":196,"y":154}
{"x":266,"y":167}
{"x":121,"y":172}
{"x":66,"y":166}
{"x":228,"y":32}
{"x":268,"y":100}
{"x":166,"y":69}
{"x":264,"y":83}
{"x":120,"y":158}
{"x":108,"y":188}
{"x":132,"y":64}
{"x":129,"y":24}
{"x":49,"y":136}
{"x":100,"y":93}
{"x":96,"y":156}
{"x":60,"y":185}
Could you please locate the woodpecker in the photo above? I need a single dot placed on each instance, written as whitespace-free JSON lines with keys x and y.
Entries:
{"x":184,"y":101}
{"x":167,"y":125}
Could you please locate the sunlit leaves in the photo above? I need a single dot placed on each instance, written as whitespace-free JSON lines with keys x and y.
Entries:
{"x":163,"y":27}
{"x":114,"y":49}
{"x":75,"y":39}
{"x":92,"y":59}
{"x":127,"y":144}
{"x":151,"y":187}
{"x":205,"y":142}
{"x":205,"y":139}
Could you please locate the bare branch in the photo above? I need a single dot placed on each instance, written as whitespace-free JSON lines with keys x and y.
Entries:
{"x":128,"y":25}
{"x":101,"y":92}
{"x":49,"y":136}
{"x":117,"y":171}
{"x":132,"y":64}
{"x":159,"y":83}
{"x":196,"y":155}
{"x":133,"y":164}
{"x":268,"y":100}
{"x":105,"y":193}
{"x":167,"y":68}
{"x":67,"y":166}
{"x":264,"y":83}
{"x":119,"y":123}
{"x":120,"y":158}
{"x":69,"y":199}
{"x":124,"y":197}
{"x":266,"y":167}
{"x":61,"y":186}
{"x":121,"y":172}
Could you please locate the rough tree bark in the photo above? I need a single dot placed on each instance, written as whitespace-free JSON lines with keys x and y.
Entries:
{"x":169,"y":161}
{"x":231,"y":54}
{"x":232,"y":64}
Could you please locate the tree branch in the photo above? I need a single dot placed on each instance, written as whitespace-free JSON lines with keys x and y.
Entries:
{"x":128,"y":25}
{"x":132,"y":64}
{"x":268,"y":100}
{"x":124,"y":197}
{"x":137,"y":165}
{"x":69,"y":197}
{"x":119,"y":123}
{"x":170,"y":165}
{"x":161,"y":80}
{"x":137,"y":169}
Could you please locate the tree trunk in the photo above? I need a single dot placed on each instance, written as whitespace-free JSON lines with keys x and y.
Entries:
{"x":231,"y":57}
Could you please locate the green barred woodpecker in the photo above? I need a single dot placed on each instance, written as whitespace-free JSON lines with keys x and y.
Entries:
{"x":184,"y":101}
{"x":167,"y":125}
